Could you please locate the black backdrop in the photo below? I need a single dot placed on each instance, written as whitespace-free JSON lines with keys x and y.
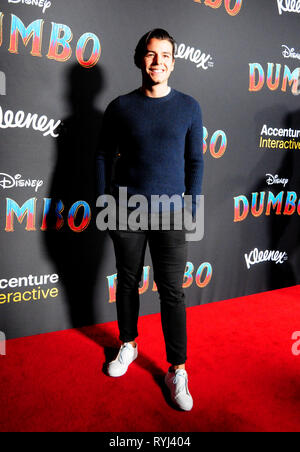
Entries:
{"x":238,"y":58}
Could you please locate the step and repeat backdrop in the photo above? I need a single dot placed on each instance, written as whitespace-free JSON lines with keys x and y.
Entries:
{"x":61,"y":63}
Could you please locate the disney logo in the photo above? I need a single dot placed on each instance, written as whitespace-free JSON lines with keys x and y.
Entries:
{"x":276,"y":180}
{"x":7,"y":181}
{"x":290,"y":53}
{"x":44,"y":4}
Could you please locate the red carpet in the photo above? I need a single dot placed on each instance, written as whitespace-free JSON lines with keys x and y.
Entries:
{"x":243,"y":375}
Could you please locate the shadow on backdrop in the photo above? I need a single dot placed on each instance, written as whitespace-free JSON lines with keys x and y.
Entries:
{"x":282,"y":231}
{"x":77,"y":255}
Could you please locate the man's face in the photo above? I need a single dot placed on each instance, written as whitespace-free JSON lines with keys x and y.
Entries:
{"x":158,"y":62}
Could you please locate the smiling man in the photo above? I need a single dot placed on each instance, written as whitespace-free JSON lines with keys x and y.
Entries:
{"x":157,"y":134}
{"x":156,"y":66}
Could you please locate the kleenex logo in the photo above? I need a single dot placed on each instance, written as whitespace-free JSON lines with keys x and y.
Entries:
{"x":257,"y":257}
{"x":288,"y":6}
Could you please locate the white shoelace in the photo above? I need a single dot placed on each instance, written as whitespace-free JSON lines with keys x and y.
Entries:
{"x":181,"y":382}
{"x":123,"y":357}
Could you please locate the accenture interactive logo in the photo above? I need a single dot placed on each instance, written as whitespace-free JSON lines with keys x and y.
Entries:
{"x":279,"y":138}
{"x":29,"y":289}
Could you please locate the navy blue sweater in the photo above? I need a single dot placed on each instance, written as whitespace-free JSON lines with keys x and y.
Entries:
{"x":158,"y":143}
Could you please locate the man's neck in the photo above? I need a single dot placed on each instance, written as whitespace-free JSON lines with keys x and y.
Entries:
{"x":156,"y":90}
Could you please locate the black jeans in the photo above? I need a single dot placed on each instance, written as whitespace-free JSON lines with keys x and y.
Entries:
{"x":168,"y":250}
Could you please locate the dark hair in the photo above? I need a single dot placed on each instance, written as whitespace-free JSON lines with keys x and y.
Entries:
{"x":141,"y":48}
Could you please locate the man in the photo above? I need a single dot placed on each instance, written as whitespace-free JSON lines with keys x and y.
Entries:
{"x":158,"y":134}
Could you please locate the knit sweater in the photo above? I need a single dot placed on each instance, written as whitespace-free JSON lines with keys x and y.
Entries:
{"x":151,"y":146}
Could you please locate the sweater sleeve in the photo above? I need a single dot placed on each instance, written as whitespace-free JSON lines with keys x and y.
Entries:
{"x":107,"y":148}
{"x":194,"y":163}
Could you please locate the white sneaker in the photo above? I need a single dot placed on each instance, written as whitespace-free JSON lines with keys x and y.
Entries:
{"x":177,"y":382}
{"x":126,"y":355}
